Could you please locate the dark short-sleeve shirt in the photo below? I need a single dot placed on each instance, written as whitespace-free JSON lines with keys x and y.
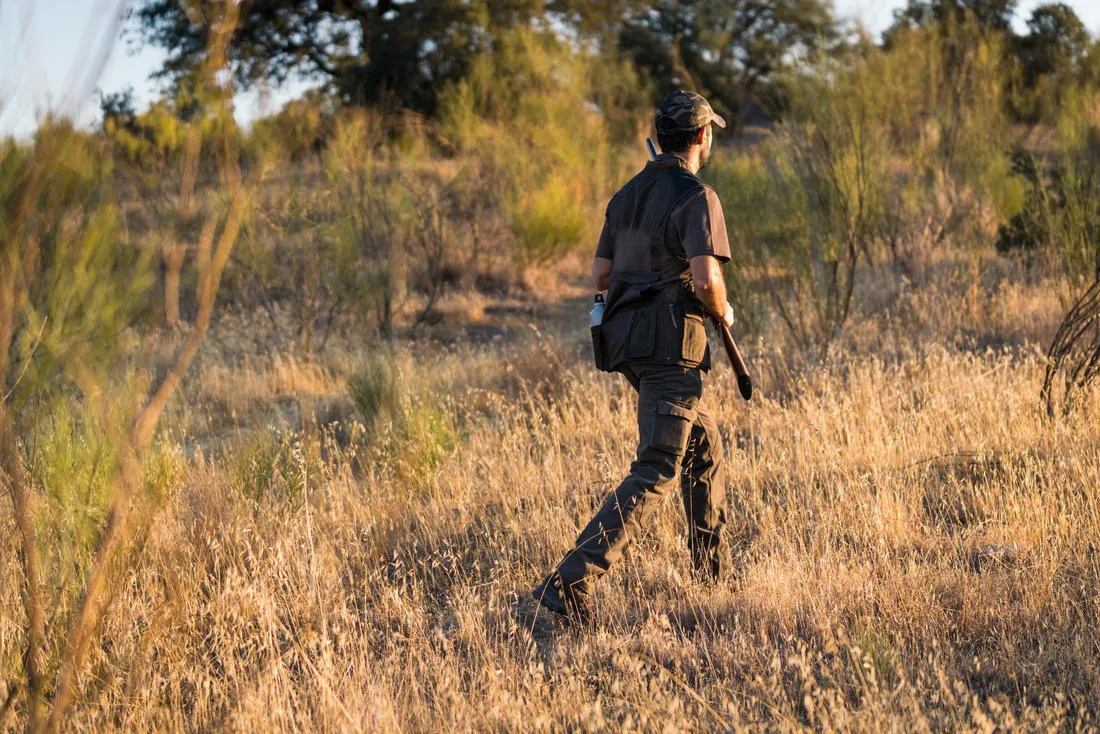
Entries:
{"x":701,"y":225}
{"x":606,"y":246}
{"x":699,"y":222}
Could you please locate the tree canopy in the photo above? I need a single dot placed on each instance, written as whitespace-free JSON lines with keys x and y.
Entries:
{"x":406,"y":52}
{"x":1057,"y":42}
{"x":994,"y":14}
{"x":1055,"y":54}
{"x":723,"y":48}
{"x":364,"y":50}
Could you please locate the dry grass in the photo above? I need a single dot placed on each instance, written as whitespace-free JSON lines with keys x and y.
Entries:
{"x":342,"y":592}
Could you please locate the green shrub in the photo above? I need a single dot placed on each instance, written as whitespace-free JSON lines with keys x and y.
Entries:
{"x":368,"y":242}
{"x":765,"y":211}
{"x":541,"y":114}
{"x":72,"y":460}
{"x":892,"y":153}
{"x":374,"y":390}
{"x":941,"y":92}
{"x":1077,"y":151}
{"x":271,"y":465}
{"x":1029,"y":229}
{"x":298,"y":130}
{"x":77,"y":282}
{"x":394,"y":217}
{"x":410,"y":427}
{"x":423,"y":436}
{"x":1005,"y":189}
{"x":808,"y":206}
{"x":1060,"y":219}
{"x":548,"y":221}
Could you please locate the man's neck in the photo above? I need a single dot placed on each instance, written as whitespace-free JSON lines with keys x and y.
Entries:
{"x":691,"y":159}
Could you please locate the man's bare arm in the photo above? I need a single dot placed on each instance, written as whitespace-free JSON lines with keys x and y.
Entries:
{"x":601,"y":273}
{"x":710,"y":287}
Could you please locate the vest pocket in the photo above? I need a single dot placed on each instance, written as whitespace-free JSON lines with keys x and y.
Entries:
{"x":694,"y":347}
{"x":599,"y":352}
{"x":643,"y":333}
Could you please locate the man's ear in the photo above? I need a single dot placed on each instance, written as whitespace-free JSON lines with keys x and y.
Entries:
{"x":700,"y":134}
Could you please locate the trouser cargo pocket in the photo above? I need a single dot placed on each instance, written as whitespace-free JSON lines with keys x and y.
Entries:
{"x":671,"y":427}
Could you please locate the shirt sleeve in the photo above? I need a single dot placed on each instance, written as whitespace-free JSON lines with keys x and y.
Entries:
{"x":702,"y":226}
{"x":606,"y":246}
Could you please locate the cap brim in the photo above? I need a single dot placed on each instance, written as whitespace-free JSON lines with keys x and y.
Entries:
{"x":717,"y":120}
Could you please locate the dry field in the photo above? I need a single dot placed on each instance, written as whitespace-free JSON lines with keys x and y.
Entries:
{"x":357,"y":558}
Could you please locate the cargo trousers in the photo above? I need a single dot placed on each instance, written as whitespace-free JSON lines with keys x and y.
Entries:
{"x":676,"y":439}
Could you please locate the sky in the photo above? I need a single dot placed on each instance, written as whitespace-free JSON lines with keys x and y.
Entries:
{"x":56,"y":54}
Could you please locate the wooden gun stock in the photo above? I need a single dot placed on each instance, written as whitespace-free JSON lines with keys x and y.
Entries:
{"x":744,"y":382}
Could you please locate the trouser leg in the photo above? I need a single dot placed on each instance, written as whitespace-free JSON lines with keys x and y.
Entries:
{"x":667,"y":402}
{"x":703,"y":488}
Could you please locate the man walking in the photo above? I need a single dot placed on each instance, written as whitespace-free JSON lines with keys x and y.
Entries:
{"x":659,"y":259}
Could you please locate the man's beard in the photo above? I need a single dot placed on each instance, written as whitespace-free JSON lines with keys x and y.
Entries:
{"x":704,"y":157}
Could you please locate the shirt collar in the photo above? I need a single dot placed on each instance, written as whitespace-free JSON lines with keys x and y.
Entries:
{"x":667,"y":160}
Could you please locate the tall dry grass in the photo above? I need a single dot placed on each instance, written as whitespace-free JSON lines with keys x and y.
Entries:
{"x":338,"y":517}
{"x":305,"y":579}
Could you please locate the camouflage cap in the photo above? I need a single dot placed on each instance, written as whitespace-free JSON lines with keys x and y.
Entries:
{"x":683,"y":111}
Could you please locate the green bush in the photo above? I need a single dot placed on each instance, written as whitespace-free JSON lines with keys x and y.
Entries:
{"x":1060,"y":220}
{"x":374,"y":390}
{"x":765,"y":210}
{"x":76,"y":281}
{"x":808,"y":205}
{"x":541,"y":114}
{"x":890,"y":154}
{"x":549,"y":220}
{"x":271,"y":465}
{"x":73,"y":462}
{"x":1077,"y":151}
{"x":424,"y":435}
{"x":411,"y":428}
{"x":72,"y":459}
{"x":298,"y":130}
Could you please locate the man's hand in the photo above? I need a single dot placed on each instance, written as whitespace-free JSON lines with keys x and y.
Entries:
{"x":727,"y":319}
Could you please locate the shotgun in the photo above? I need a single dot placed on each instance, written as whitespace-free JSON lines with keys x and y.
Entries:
{"x":744,"y":381}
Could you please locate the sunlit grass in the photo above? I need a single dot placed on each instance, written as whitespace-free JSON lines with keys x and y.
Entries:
{"x":308,"y":580}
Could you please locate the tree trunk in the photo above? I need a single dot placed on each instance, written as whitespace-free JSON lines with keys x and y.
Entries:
{"x":174,"y":256}
{"x":12,"y":474}
{"x":7,"y":320}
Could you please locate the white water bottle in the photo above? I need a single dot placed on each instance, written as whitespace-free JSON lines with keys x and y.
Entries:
{"x":595,"y":316}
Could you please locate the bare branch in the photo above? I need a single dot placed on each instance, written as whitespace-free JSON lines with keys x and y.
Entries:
{"x":12,"y":474}
{"x":128,"y":478}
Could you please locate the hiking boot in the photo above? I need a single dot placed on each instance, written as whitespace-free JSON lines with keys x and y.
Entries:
{"x":567,"y":606}
{"x":709,"y":565}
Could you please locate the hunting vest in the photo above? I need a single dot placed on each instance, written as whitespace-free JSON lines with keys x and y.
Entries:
{"x":652,"y":315}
